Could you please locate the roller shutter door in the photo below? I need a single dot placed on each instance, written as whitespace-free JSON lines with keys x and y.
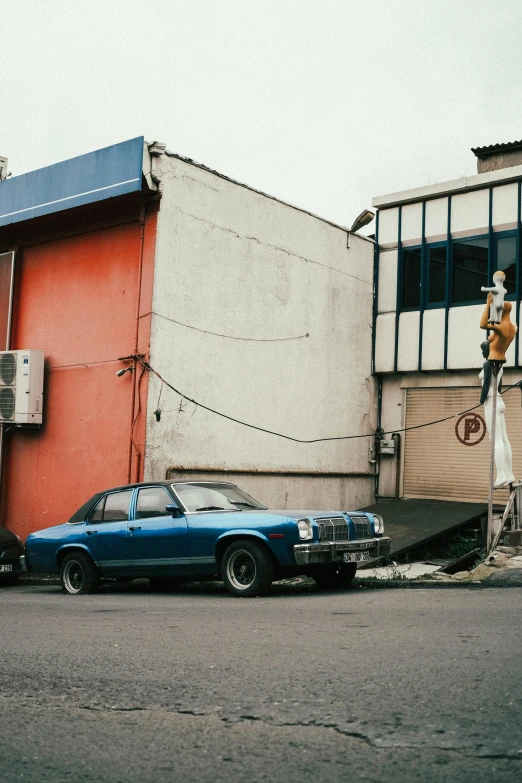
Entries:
{"x":436,"y":463}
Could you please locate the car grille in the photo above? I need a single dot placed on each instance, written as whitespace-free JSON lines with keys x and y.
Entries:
{"x":333,"y":529}
{"x":363,"y":528}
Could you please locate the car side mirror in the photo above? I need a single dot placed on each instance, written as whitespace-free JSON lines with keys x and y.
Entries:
{"x":175,"y":511}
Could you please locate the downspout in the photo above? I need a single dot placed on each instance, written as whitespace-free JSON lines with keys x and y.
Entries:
{"x":378,"y":435}
{"x":7,"y":347}
{"x":156,"y":149}
{"x":143,"y":214}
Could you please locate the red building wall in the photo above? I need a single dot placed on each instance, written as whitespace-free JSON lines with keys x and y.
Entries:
{"x":83,"y":294}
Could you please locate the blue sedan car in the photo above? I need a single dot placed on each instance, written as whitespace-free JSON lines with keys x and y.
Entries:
{"x":170,"y":531}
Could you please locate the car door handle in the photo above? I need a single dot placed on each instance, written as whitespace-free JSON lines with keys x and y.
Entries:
{"x":90,"y":532}
{"x":136,"y":527}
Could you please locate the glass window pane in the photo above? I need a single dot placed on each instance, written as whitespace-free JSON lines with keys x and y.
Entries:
{"x":152,"y":502}
{"x":411,"y":277}
{"x":117,"y":506}
{"x":97,"y":514}
{"x":437,"y":274}
{"x":213,"y":496}
{"x":507,"y":261}
{"x":470,"y":269}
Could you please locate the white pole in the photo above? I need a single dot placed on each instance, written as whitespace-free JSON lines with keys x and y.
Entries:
{"x":490,"y":532}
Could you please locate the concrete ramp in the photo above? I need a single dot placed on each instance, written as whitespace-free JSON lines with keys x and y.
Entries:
{"x":410,"y":523}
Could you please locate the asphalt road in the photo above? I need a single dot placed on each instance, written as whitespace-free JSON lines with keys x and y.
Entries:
{"x":378,"y":685}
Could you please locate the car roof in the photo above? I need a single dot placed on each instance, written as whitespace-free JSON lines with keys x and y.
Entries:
{"x":161,"y":484}
{"x":81,"y":513}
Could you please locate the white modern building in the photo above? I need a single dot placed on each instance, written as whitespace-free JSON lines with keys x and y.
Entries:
{"x":436,"y":246}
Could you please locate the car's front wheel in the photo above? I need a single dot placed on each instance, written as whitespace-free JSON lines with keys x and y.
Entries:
{"x":247,"y":569}
{"x":78,"y":574}
{"x":336,"y":577}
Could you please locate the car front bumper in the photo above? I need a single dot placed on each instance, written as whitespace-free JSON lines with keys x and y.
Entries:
{"x":333,"y":551}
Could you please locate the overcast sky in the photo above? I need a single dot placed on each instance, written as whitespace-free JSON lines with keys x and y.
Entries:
{"x":323,"y":103}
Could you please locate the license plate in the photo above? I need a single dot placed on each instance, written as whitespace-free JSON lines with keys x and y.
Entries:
{"x":6,"y":568}
{"x":355,"y":557}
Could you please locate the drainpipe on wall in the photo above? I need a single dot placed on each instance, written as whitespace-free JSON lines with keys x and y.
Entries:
{"x":397,"y":438}
{"x":135,"y":380}
{"x":378,"y":436}
{"x":156,"y":150}
{"x":7,"y":348}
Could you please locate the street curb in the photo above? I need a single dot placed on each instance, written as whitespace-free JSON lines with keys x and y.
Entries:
{"x":39,"y":579}
{"x":51,"y":580}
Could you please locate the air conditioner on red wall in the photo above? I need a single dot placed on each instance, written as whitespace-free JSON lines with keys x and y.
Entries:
{"x":21,"y":387}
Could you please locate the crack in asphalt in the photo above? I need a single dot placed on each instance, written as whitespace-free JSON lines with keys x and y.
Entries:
{"x":241,"y":719}
{"x":383,"y":742}
{"x":376,"y":743}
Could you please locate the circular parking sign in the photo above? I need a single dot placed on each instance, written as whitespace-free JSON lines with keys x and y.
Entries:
{"x":470,"y":429}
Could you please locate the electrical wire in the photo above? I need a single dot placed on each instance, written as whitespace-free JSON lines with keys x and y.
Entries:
{"x":79,"y":364}
{"x":227,"y":336}
{"x":314,"y":440}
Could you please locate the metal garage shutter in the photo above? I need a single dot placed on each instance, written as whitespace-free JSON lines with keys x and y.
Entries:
{"x":436,"y":463}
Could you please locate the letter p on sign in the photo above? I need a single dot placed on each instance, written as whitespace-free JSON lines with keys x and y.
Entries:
{"x":470,"y":429}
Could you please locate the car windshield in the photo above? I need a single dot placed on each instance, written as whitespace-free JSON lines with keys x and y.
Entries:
{"x":214,"y":497}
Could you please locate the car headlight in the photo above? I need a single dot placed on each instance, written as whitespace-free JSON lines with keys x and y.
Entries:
{"x":378,"y":523}
{"x":305,"y":529}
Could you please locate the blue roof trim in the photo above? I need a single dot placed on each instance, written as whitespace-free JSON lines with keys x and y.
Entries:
{"x":111,"y":171}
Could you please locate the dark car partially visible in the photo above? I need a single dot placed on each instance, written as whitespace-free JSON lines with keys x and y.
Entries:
{"x":11,"y":548}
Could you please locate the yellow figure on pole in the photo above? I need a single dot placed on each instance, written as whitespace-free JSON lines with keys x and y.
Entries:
{"x":503,"y":332}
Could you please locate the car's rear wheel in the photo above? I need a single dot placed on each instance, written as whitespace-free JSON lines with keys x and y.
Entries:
{"x":247,"y":569}
{"x":336,"y":577}
{"x":78,"y":574}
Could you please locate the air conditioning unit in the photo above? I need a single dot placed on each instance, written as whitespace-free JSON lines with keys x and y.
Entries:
{"x":21,"y":387}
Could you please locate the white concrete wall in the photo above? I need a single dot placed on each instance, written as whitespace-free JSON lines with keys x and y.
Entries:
{"x":505,"y":204}
{"x":411,"y":224}
{"x":388,"y":227}
{"x":392,"y":420}
{"x":470,"y":213}
{"x":465,"y":337}
{"x":408,"y":348}
{"x":275,"y":316}
{"x":433,"y":339}
{"x":387,"y":294}
{"x":436,"y":226}
{"x":385,"y":342}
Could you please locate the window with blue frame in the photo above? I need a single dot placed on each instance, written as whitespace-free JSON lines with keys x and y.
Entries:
{"x":505,"y":260}
{"x":436,"y":260}
{"x":472,"y":265}
{"x":470,"y":269}
{"x":411,"y":277}
{"x":434,"y":276}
